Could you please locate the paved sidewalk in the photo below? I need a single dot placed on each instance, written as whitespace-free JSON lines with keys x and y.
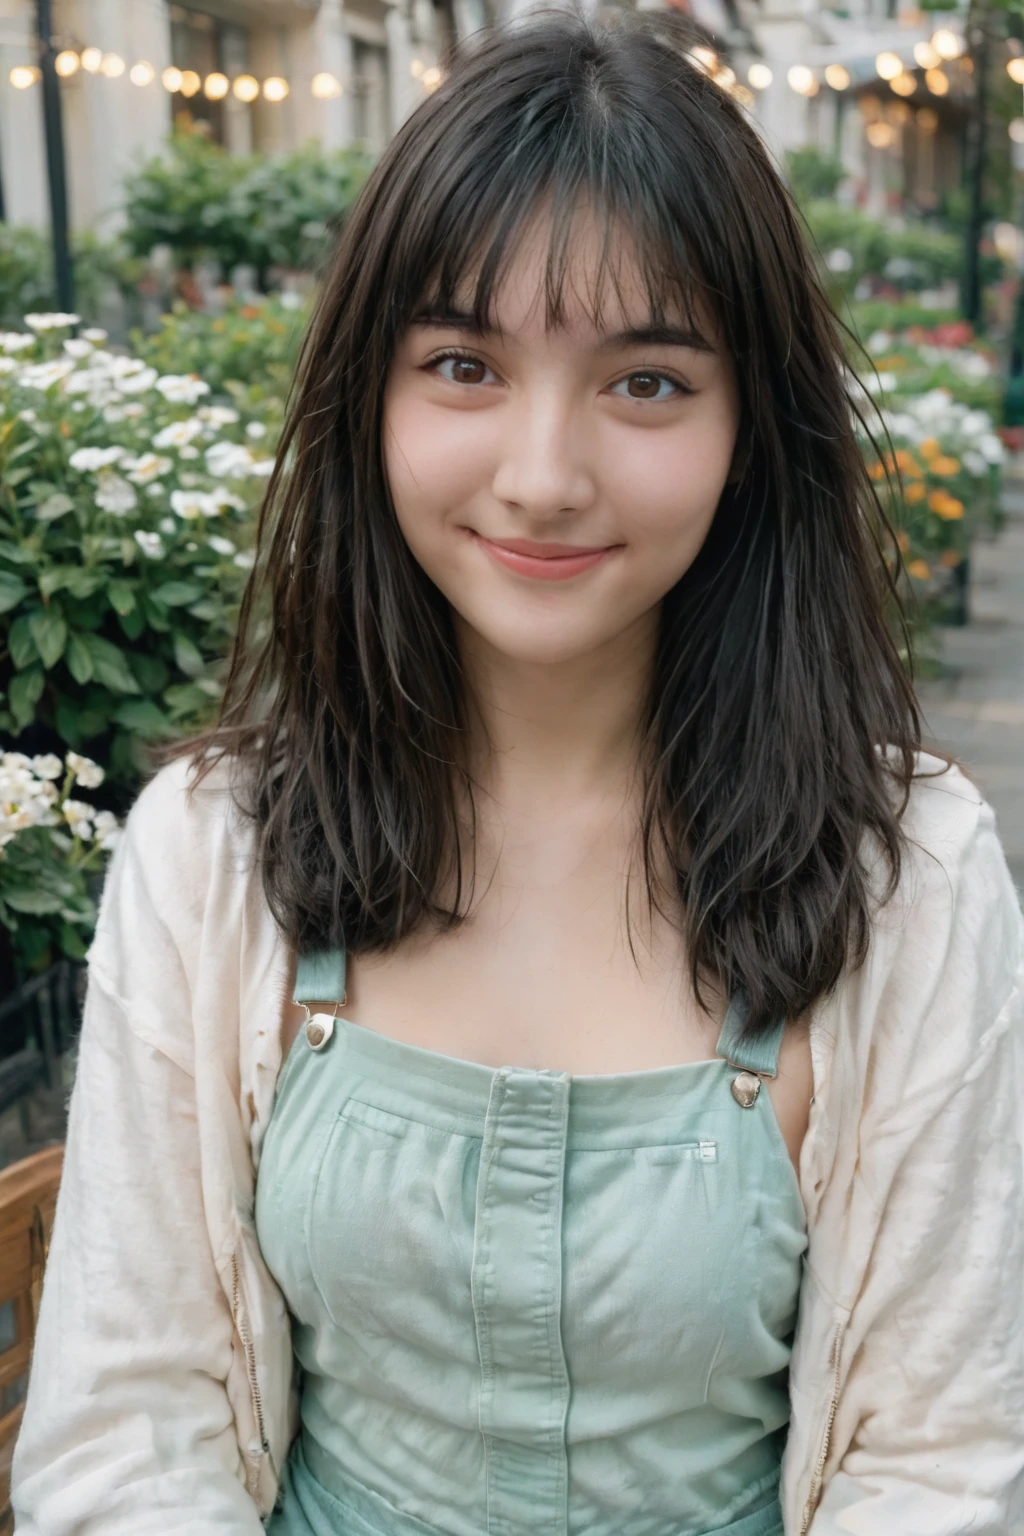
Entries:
{"x":976,"y":711}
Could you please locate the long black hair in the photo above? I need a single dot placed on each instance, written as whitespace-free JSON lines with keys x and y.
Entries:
{"x":782,"y":729}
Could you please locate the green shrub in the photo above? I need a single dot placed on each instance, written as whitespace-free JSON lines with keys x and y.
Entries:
{"x":813,"y":174}
{"x":258,"y":343}
{"x":26,"y":272}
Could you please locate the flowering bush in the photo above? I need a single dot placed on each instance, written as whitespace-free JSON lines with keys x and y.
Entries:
{"x":126,"y":505}
{"x":50,"y":846}
{"x":254,"y":343}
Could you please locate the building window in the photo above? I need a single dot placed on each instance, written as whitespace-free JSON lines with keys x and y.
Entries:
{"x":370,"y":105}
{"x":204,"y":44}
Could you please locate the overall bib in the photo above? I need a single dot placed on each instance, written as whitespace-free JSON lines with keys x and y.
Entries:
{"x":525,"y":1302}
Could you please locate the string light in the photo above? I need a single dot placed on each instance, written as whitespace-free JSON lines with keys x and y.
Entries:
{"x":432,"y":78}
{"x":801,"y":79}
{"x":927,"y":119}
{"x":92,"y":58}
{"x":725,"y":77}
{"x":1015,"y":70}
{"x":142,"y":73}
{"x":760,"y":76}
{"x":275,"y":89}
{"x":171,"y":79}
{"x":216,"y":86}
{"x":937,"y":82}
{"x":837,"y":77}
{"x":1016,"y":130}
{"x":926,"y":56}
{"x":704,"y":58}
{"x":325,"y":86}
{"x":246,"y":87}
{"x":416,"y":69}
{"x":190,"y":83}
{"x":888,"y":66}
{"x":946,"y":44}
{"x":23,"y":75}
{"x":66,"y":63}
{"x":112,"y":65}
{"x":880,"y":135}
{"x":904,"y":85}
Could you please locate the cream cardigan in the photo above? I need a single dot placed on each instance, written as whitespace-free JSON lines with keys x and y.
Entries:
{"x":161,"y":1399}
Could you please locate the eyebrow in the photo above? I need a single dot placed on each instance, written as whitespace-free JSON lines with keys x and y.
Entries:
{"x":641,"y":335}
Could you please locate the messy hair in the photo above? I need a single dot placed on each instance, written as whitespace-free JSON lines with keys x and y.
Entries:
{"x":781,"y":729}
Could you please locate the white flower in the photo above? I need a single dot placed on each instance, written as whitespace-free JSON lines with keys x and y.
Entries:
{"x":78,"y":815}
{"x":226,"y":461}
{"x":188,"y":452}
{"x":8,"y":365}
{"x":220,"y":497}
{"x":181,"y":389}
{"x":262,"y":467}
{"x":108,"y":829}
{"x":975,"y":463}
{"x":78,"y":346}
{"x":191,"y":545}
{"x":290,"y":300}
{"x":191,"y":504}
{"x":95,"y":334}
{"x":89,"y":460}
{"x":255,"y":430}
{"x":87,"y":773}
{"x":114,"y":494}
{"x":221,"y":546}
{"x":45,"y":375}
{"x":839,"y":260}
{"x":16,"y":341}
{"x":155,"y":488}
{"x":146,"y":467}
{"x":168,"y":525}
{"x":991,"y":446}
{"x":879,"y":341}
{"x":48,"y":766}
{"x":50,"y":322}
{"x":113,"y":413}
{"x":246,"y":559}
{"x":218,"y":415}
{"x":133,"y":410}
{"x":151,"y":544}
{"x":135,"y":383}
{"x":178,"y":433}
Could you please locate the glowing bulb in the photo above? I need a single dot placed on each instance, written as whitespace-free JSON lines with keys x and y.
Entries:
{"x":190,"y":82}
{"x":92,"y":58}
{"x":432,"y":78}
{"x":889,"y":65}
{"x":142,"y":73}
{"x":216,"y":86}
{"x":274,"y":88}
{"x":66,"y":62}
{"x":760,"y":76}
{"x":1015,"y":70}
{"x":946,"y":44}
{"x":925,"y":55}
{"x":325,"y":86}
{"x":171,"y":79}
{"x":927,"y":120}
{"x":937,"y":82}
{"x":904,"y":85}
{"x":880,"y":135}
{"x":704,"y":58}
{"x":801,"y":79}
{"x":416,"y":68}
{"x":112,"y":65}
{"x":837,"y":77}
{"x":246,"y":87}
{"x":23,"y":75}
{"x":1016,"y":130}
{"x":743,"y":96}
{"x":725,"y":77}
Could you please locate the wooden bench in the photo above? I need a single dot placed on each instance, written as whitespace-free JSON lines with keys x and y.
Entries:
{"x":28,"y":1197}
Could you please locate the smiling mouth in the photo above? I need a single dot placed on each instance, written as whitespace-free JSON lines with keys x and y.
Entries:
{"x":544,"y":561}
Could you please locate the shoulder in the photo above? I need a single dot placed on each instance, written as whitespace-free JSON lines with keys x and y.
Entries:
{"x":180,"y":819}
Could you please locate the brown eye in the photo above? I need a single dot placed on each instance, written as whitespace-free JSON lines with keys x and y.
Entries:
{"x":461,"y":370}
{"x":647,"y":385}
{"x":644,"y":386}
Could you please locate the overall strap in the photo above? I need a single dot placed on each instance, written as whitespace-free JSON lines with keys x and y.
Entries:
{"x":320,"y":976}
{"x":760,"y":1055}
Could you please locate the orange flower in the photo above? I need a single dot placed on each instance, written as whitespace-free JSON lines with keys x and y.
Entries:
{"x":930,"y":448}
{"x":903,"y":540}
{"x":876,"y":470}
{"x":949,"y":558}
{"x":945,"y":465}
{"x":915,"y":491}
{"x":920,"y":569}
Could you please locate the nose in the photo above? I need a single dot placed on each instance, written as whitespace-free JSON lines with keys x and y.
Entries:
{"x":545,"y":458}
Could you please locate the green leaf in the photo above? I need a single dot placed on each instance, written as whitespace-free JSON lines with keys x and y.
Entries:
{"x":32,"y":899}
{"x":15,"y":552}
{"x":83,"y":583}
{"x":142,"y":716}
{"x":49,"y":632}
{"x":12,"y":591}
{"x":153,"y":673}
{"x":110,"y":665}
{"x":79,"y":659}
{"x":188,"y":656}
{"x":21,"y":644}
{"x":72,"y":942}
{"x":132,"y":623}
{"x":175,"y":594}
{"x":207,"y":610}
{"x":122,"y":598}
{"x":53,"y":507}
{"x":184,"y":699}
{"x":15,"y":477}
{"x":24,"y":694}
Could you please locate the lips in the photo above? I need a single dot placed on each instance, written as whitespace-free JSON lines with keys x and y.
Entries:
{"x":544,"y":560}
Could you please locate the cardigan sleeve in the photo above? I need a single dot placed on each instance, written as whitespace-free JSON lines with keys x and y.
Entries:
{"x":933,"y":1401}
{"x":128,"y":1430}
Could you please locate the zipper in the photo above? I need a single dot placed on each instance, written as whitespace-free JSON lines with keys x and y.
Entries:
{"x":819,"y":1469}
{"x":250,"y":1365}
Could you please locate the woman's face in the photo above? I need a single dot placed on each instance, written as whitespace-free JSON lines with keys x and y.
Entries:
{"x":555,"y":484}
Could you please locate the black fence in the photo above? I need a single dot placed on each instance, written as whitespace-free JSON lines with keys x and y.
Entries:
{"x":43,"y":1014}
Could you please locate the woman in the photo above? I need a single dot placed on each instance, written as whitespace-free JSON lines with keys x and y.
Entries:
{"x":670,"y":1142}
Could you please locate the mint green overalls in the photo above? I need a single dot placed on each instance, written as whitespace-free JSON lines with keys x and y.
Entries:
{"x":524,"y":1302}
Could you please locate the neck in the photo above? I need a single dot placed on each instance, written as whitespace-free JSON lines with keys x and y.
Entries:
{"x":572,"y":727}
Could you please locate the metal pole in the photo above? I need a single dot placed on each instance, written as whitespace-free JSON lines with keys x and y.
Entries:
{"x":63,"y":274}
{"x":979,"y":38}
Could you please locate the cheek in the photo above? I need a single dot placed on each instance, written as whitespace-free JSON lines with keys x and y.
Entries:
{"x":434,"y":461}
{"x":666,"y":486}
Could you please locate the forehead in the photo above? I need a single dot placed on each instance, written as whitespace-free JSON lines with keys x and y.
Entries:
{"x":581,"y":274}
